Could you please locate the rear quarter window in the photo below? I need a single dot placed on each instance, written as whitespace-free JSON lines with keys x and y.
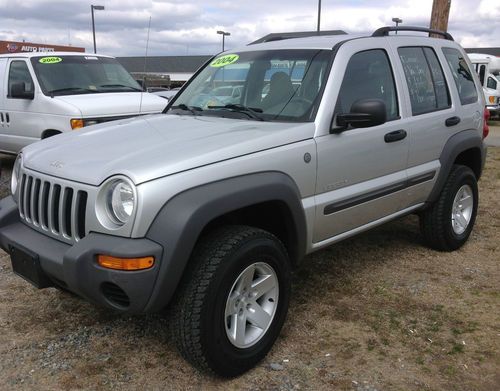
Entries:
{"x":462,"y":75}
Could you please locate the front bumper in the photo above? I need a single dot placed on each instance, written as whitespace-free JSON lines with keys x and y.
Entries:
{"x":493,"y":109}
{"x":74,"y":267}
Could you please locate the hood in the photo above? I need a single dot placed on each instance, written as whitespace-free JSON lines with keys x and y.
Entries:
{"x":150,"y":147}
{"x":110,"y":104}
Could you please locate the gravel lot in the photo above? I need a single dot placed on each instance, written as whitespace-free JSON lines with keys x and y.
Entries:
{"x":376,"y":312}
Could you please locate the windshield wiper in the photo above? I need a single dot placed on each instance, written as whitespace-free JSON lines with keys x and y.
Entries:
{"x":252,"y":112}
{"x":192,"y":109}
{"x":72,"y":89}
{"x":119,"y":86}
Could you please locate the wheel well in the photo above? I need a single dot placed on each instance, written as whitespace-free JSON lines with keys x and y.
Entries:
{"x":49,"y":133}
{"x":272,"y":216}
{"x":472,"y":159}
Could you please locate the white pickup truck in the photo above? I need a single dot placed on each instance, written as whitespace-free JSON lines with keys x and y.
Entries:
{"x":43,"y":94}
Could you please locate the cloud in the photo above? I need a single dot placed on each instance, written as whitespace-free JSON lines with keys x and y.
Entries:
{"x":189,"y":26}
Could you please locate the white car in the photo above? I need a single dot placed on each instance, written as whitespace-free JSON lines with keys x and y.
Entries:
{"x":43,"y":94}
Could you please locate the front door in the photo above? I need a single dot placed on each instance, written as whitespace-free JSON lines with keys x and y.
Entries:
{"x":361,"y":172}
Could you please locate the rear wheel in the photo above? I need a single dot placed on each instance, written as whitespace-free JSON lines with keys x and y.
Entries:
{"x":234,"y":300}
{"x":447,"y":224}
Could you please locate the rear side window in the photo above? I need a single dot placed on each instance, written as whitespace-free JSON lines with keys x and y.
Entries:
{"x":462,"y":75}
{"x":425,"y":79}
{"x":368,"y":76}
{"x":19,"y":73}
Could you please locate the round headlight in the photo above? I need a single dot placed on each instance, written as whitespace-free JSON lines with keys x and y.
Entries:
{"x":14,"y":179}
{"x":120,"y":201}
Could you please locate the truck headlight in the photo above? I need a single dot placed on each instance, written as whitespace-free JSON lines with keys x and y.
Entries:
{"x":120,"y":200}
{"x":14,"y":179}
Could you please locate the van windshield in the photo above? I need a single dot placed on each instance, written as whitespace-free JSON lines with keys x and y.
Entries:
{"x":266,"y":85}
{"x":71,"y":75}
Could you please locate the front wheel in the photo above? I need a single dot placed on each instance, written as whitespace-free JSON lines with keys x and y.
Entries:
{"x":234,"y":302}
{"x":447,"y":224}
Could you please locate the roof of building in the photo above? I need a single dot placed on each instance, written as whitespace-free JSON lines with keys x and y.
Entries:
{"x":164,"y":64}
{"x":492,"y":51}
{"x":51,"y":54}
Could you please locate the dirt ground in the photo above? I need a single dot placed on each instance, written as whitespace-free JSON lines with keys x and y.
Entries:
{"x":375,"y":312}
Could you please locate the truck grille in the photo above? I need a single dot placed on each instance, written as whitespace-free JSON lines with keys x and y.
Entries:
{"x":52,"y":208}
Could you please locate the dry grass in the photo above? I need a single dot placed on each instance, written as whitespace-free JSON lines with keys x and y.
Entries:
{"x":378,"y":311}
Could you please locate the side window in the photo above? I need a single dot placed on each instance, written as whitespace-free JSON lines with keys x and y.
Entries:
{"x":492,"y":83}
{"x":482,"y":72}
{"x":19,"y":73}
{"x":368,"y":76}
{"x":462,"y":75}
{"x":425,"y":79}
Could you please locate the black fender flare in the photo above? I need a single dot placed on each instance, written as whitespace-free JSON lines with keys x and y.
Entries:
{"x":456,"y":144}
{"x":181,"y":220}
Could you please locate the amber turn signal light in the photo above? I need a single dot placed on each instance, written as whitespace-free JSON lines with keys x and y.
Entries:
{"x":116,"y":263}
{"x":77,"y":124}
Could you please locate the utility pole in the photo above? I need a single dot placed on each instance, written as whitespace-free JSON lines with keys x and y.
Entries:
{"x":440,"y":15}
{"x":319,"y":15}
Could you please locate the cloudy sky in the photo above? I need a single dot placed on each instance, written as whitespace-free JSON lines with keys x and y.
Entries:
{"x":180,"y":27}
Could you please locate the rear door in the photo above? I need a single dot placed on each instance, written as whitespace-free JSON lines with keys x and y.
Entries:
{"x":437,"y":110}
{"x":360,"y":173}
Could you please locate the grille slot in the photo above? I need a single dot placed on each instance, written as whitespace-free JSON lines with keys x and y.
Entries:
{"x":55,"y":209}
{"x":115,"y":294}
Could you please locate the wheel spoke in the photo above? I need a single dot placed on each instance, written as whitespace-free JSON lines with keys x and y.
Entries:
{"x":263,"y":285}
{"x":240,"y":329}
{"x":461,"y":220}
{"x":466,"y":202}
{"x":231,"y":307}
{"x":258,"y":317}
{"x":246,"y":279}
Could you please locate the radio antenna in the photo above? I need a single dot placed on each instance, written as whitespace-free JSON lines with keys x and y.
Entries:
{"x":145,"y":64}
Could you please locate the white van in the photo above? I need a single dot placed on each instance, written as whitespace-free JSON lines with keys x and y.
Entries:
{"x":488,"y":69}
{"x":43,"y":94}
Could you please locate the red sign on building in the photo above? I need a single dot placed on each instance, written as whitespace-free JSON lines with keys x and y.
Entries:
{"x":27,"y":47}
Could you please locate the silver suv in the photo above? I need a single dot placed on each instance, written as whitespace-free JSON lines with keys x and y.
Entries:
{"x":208,"y":207}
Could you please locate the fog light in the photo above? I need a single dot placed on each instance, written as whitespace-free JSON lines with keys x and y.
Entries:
{"x":116,"y":263}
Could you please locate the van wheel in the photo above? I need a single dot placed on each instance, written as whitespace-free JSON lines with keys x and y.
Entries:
{"x":447,"y":224}
{"x":233,"y":304}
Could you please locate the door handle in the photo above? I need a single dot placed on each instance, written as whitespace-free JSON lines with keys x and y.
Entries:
{"x":395,"y":136}
{"x":452,"y":121}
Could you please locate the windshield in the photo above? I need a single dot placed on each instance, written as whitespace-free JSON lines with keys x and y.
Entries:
{"x":272,"y":85}
{"x":70,"y":75}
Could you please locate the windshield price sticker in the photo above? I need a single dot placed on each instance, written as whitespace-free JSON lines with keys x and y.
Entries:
{"x":50,"y":60}
{"x":224,"y":60}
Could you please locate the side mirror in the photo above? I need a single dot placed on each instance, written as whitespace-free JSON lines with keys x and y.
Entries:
{"x":18,"y":91}
{"x":364,"y":114}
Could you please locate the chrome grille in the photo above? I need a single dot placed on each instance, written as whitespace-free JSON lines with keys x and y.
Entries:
{"x":52,"y":208}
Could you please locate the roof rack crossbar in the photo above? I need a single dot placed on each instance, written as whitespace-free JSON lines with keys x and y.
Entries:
{"x":384,"y":31}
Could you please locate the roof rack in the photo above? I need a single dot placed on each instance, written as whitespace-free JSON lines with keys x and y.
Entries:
{"x":384,"y":31}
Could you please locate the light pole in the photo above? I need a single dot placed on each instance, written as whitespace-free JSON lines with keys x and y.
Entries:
{"x":224,"y":34}
{"x":319,"y":15}
{"x":397,"y":21}
{"x":92,"y":8}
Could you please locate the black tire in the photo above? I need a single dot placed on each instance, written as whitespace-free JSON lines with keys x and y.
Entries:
{"x":436,"y":223}
{"x":198,"y":324}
